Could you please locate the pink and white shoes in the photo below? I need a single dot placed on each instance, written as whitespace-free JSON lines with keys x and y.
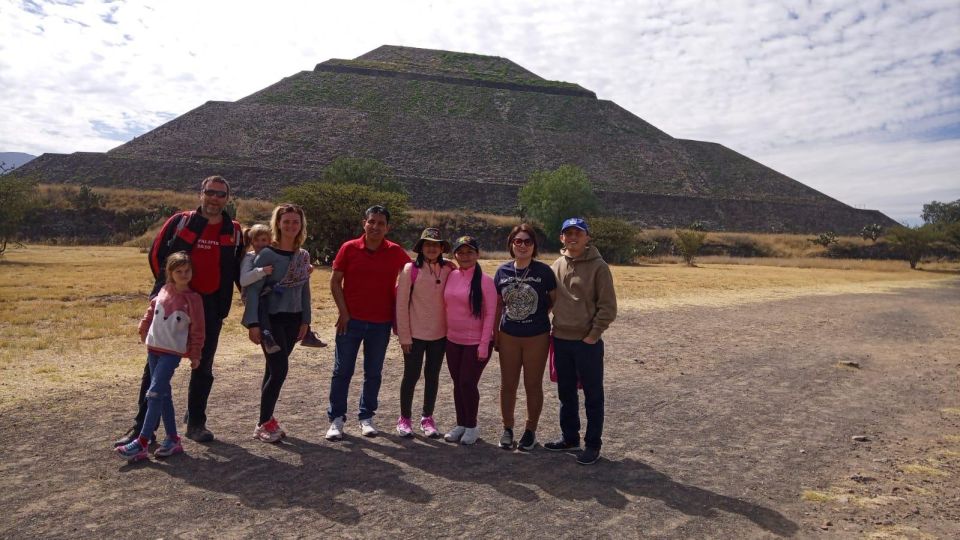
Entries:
{"x":429,"y":427}
{"x":269,"y":431}
{"x":404,"y":427}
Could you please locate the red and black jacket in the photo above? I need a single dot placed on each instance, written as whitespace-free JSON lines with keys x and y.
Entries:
{"x":180,"y":232}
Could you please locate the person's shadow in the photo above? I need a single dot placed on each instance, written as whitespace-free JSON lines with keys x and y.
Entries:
{"x":324,"y":473}
{"x":558,"y":475}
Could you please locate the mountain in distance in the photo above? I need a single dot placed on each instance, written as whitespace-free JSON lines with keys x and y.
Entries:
{"x":12,"y":160}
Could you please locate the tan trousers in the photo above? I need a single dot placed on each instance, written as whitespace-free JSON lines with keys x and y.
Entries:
{"x":528,"y":354}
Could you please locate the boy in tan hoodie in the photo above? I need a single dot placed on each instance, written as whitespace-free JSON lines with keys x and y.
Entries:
{"x":586,"y":305}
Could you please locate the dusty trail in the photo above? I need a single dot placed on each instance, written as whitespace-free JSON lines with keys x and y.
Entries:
{"x":731,"y":421}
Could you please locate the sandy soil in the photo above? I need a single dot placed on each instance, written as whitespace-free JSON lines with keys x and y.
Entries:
{"x":733,"y":421}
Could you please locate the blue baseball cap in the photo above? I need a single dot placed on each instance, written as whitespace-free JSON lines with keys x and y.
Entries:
{"x":575,"y":222}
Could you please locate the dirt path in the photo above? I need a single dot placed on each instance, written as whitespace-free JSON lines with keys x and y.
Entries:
{"x":729,"y":422}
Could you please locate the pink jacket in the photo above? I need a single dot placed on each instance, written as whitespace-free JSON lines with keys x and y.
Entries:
{"x":420,"y":315}
{"x":462,"y":327}
{"x":174,"y":324}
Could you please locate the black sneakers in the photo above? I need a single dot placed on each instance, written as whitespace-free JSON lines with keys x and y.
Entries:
{"x":588,"y":456}
{"x":311,"y":340}
{"x":561,"y":445}
{"x":527,"y":441}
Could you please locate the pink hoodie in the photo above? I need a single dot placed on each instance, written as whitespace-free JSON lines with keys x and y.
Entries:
{"x":420,"y":314}
{"x":462,"y":327}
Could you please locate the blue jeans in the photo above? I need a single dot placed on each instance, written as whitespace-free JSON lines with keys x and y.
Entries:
{"x":374,"y":337}
{"x":578,"y":360}
{"x":159,"y":396}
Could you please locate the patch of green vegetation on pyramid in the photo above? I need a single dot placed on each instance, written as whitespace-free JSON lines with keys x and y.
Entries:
{"x":391,"y":96}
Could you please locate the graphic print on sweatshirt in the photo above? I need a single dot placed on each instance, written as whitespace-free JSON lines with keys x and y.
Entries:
{"x":170,"y":327}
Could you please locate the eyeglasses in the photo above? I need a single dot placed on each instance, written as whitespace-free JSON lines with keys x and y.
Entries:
{"x":523,"y":241}
{"x":215,"y":193}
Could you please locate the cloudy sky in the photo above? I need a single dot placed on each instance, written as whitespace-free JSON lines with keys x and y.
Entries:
{"x":858,"y":99}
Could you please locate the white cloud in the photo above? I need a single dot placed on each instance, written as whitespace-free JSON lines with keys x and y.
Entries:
{"x":824,"y":91}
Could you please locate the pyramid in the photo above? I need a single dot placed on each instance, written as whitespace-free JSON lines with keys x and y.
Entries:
{"x":461,"y":131}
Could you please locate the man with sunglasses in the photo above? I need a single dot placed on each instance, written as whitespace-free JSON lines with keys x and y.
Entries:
{"x":215,"y":244}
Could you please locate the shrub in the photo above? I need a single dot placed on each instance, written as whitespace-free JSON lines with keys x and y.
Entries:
{"x":913,"y":243}
{"x":616,"y":240}
{"x":334,"y":213}
{"x":825,"y":239}
{"x":871,"y":232}
{"x":18,"y":196}
{"x":87,"y":199}
{"x":688,"y":243}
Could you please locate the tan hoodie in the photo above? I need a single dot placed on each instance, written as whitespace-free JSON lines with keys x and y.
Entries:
{"x":586,"y":301}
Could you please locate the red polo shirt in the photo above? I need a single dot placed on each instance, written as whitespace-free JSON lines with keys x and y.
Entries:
{"x":370,"y":278}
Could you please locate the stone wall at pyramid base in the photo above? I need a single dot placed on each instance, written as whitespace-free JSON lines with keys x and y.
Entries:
{"x":643,"y":209}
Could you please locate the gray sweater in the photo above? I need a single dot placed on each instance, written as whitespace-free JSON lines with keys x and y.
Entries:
{"x":291,"y":292}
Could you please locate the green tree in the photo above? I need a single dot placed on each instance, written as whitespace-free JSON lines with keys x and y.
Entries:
{"x":938,"y":213}
{"x":913,"y":243}
{"x":363,"y":171}
{"x":18,"y":196}
{"x":945,"y":217}
{"x":689,"y":243}
{"x":334,"y":213}
{"x":616,"y":240}
{"x":552,"y":196}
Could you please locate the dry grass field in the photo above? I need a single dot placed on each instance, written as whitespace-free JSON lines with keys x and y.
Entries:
{"x":733,"y":393}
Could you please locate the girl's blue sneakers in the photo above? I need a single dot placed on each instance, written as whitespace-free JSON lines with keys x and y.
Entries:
{"x":168,"y":448}
{"x":134,"y":451}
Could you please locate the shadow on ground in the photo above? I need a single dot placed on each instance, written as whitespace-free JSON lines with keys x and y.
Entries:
{"x":388,"y":464}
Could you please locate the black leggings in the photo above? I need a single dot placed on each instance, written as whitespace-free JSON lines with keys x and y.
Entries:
{"x":285,"y":327}
{"x":412,"y":365}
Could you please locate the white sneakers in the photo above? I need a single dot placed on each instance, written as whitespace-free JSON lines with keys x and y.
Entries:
{"x":455,"y":434}
{"x":470,"y":435}
{"x":335,"y":433}
{"x":367,"y":429}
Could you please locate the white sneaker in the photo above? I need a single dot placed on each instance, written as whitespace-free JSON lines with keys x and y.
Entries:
{"x":367,"y":429}
{"x":335,"y":433}
{"x":470,"y":435}
{"x":455,"y":434}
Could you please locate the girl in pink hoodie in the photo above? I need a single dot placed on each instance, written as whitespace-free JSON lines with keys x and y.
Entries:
{"x":172,"y":327}
{"x":470,"y":303}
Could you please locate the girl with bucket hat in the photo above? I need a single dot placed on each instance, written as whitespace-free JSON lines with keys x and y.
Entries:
{"x":422,"y":328}
{"x":470,"y":300}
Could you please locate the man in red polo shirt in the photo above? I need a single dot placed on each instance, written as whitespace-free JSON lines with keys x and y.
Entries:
{"x":363,"y":285}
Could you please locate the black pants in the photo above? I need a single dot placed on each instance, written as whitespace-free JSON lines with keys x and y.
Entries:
{"x":201,"y":379}
{"x":576,"y":360}
{"x":285,"y":327}
{"x":412,"y":365}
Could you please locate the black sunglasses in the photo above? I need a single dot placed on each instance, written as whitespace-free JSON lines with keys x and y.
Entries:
{"x":215,"y":193}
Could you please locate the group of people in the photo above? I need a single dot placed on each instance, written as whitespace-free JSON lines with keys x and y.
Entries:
{"x":437,"y":307}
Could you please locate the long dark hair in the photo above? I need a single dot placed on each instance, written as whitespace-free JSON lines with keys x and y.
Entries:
{"x":476,"y":293}
{"x":421,"y":259}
